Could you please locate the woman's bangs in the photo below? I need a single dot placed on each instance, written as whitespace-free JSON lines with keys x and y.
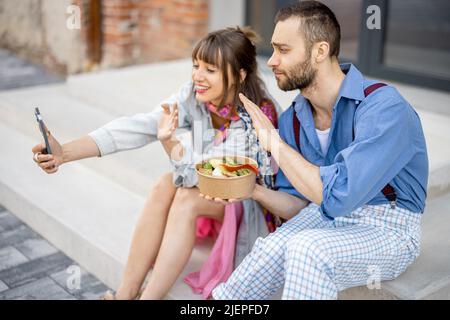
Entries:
{"x":208,"y":52}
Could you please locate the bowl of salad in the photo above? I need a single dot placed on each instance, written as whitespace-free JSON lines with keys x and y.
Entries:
{"x":227,"y":177}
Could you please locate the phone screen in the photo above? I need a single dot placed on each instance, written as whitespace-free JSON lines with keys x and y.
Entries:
{"x":42,"y":127}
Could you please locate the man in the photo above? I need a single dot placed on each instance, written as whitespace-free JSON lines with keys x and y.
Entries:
{"x":353,"y":175}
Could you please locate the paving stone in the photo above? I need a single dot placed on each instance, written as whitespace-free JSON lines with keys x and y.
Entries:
{"x":42,"y":289}
{"x":93,"y":292}
{"x":16,"y":236}
{"x":11,"y":257}
{"x":3,"y":286}
{"x":16,"y":72}
{"x":4,"y":214}
{"x":9,"y":221}
{"x":36,"y":248}
{"x":29,"y":264}
{"x":90,"y":288}
{"x":91,"y":295}
{"x":35,"y":269}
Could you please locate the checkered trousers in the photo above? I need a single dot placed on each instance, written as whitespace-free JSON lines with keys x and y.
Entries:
{"x":315,"y":258}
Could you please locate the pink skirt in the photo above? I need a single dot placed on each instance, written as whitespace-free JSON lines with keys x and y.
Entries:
{"x":219,"y":265}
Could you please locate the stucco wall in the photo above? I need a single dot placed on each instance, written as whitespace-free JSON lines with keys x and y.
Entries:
{"x":36,"y":30}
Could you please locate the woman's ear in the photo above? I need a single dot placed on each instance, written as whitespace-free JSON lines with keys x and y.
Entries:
{"x":243,"y":75}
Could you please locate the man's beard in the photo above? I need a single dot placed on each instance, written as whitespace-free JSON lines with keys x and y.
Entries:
{"x":300,"y":76}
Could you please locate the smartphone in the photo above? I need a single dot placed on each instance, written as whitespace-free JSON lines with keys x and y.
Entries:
{"x":42,"y":127}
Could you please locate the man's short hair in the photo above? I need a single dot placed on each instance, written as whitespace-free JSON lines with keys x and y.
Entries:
{"x":317,"y":22}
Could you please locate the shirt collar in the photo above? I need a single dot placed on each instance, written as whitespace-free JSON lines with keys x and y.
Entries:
{"x":353,"y":85}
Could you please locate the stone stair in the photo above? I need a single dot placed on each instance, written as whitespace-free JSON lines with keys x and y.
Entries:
{"x":89,"y":208}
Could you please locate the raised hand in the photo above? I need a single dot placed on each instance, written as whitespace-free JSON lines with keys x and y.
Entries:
{"x":168,"y":122}
{"x":268,"y":136}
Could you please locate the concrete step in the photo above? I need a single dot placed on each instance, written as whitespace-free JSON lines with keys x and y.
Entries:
{"x":429,"y":276}
{"x":130,"y":90}
{"x":87,"y":216}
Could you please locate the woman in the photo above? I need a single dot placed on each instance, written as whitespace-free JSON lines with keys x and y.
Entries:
{"x":224,"y":64}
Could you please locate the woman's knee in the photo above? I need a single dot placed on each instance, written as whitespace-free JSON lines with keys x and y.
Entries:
{"x":163,"y":187}
{"x":184,"y":203}
{"x":165,"y":182}
{"x":187,"y":204}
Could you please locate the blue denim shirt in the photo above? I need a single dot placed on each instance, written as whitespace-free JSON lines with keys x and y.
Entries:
{"x":389,"y":147}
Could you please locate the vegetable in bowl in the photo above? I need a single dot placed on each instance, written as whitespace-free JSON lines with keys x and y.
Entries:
{"x":225,"y":167}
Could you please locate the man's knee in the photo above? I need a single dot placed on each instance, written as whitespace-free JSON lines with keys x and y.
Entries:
{"x":309,"y":244}
{"x":274,"y":243}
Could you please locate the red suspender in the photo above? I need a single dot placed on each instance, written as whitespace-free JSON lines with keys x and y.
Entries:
{"x":296,"y":126}
{"x":372,"y":88}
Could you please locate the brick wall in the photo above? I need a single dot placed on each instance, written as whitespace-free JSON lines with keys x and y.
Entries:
{"x":123,"y":32}
{"x":141,"y":31}
{"x":86,"y":25}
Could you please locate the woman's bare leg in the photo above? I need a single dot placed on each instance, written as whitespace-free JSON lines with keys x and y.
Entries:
{"x":147,"y":237}
{"x":179,"y":239}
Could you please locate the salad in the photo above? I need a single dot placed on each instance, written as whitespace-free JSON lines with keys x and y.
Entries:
{"x":225,"y":167}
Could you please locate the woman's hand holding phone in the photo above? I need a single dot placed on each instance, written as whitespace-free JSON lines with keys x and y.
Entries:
{"x":48,"y":162}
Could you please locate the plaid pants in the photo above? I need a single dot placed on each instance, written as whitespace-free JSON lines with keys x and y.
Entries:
{"x":316,"y":258}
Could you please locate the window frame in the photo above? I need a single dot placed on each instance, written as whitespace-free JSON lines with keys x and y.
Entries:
{"x":371,"y":50}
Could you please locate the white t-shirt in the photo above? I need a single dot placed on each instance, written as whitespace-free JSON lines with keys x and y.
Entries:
{"x":323,"y":139}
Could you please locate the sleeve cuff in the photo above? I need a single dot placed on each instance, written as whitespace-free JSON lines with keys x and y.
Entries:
{"x":184,"y":173}
{"x":104,"y":141}
{"x":328,"y":177}
{"x":185,"y":160}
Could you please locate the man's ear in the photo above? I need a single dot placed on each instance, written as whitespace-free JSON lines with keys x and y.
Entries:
{"x":242,"y":75}
{"x":321,"y":51}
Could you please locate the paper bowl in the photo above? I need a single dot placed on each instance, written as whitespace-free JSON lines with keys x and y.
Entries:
{"x":227,"y":187}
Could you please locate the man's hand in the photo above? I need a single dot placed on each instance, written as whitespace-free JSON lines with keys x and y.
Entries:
{"x":303,"y":175}
{"x":268,"y":136}
{"x":168,"y":122}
